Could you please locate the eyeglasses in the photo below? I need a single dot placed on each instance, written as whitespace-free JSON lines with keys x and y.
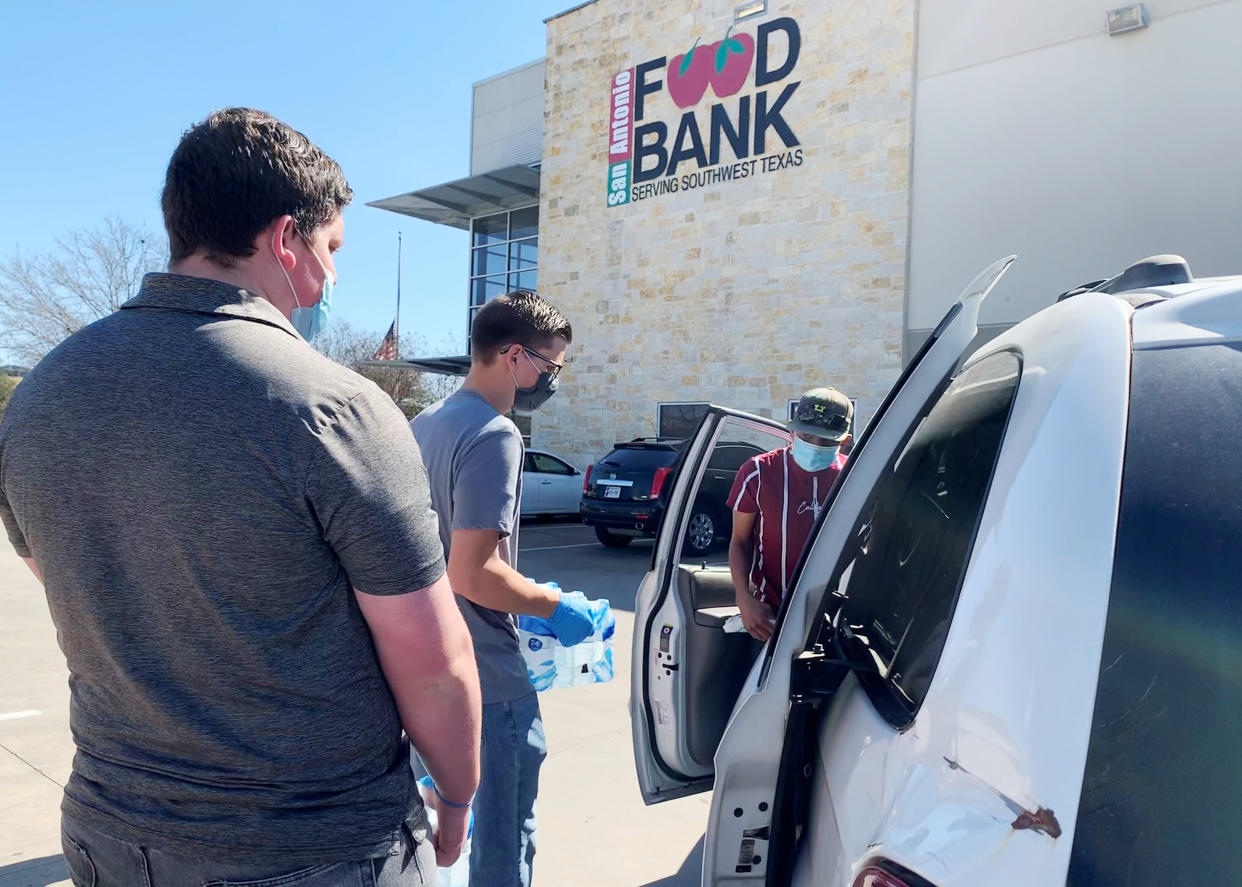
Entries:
{"x":530,"y":352}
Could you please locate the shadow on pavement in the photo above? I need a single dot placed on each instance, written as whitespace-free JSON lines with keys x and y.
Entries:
{"x":35,"y":872}
{"x":689,"y":875}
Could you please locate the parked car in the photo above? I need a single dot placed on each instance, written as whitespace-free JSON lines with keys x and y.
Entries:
{"x":550,"y":485}
{"x":1011,"y":653}
{"x":624,"y":494}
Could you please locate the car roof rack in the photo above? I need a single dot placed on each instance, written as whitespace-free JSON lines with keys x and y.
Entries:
{"x":1154,"y":271}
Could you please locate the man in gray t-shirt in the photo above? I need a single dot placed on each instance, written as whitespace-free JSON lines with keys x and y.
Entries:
{"x":236,"y":540}
{"x":473,"y":455}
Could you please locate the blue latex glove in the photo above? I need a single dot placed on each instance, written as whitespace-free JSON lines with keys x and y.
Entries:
{"x":571,"y":620}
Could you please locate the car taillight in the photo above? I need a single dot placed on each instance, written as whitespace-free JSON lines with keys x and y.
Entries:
{"x":657,"y":481}
{"x":586,"y":481}
{"x":872,"y":876}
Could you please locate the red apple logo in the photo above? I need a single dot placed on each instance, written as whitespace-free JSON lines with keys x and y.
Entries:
{"x":732,"y":57}
{"x":688,"y":75}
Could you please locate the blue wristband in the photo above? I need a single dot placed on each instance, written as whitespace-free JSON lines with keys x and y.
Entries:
{"x":447,"y":803}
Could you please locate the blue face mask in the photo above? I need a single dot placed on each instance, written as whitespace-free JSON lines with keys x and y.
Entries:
{"x":813,"y":458}
{"x":313,"y":320}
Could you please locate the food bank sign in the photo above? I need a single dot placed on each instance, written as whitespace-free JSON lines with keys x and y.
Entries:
{"x":732,"y":139}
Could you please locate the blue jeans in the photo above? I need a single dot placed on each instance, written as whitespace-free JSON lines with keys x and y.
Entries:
{"x":99,"y":860}
{"x":503,"y":847}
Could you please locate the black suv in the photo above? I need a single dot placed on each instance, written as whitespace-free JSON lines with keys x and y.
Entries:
{"x":625,"y":493}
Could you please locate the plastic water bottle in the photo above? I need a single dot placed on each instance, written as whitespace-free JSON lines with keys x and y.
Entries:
{"x":550,"y":664}
{"x":458,"y":874}
{"x":591,"y":661}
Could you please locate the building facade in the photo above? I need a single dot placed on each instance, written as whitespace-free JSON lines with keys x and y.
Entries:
{"x":735,"y":201}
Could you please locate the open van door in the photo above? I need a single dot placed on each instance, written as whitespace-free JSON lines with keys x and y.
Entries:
{"x":703,"y":707}
{"x":687,"y":671}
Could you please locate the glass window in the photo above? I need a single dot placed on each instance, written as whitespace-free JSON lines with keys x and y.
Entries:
{"x":524,"y":253}
{"x":523,"y":280}
{"x":639,"y":458}
{"x":504,"y":256}
{"x":679,"y":420}
{"x":522,"y":421}
{"x":524,"y":223}
{"x":730,"y":456}
{"x":917,"y":531}
{"x":710,"y":517}
{"x":545,"y":464}
{"x":1162,"y":767}
{"x":491,"y":259}
{"x":484,"y":289}
{"x":491,"y":229}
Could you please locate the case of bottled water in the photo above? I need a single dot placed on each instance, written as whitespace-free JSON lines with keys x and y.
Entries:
{"x":550,"y":664}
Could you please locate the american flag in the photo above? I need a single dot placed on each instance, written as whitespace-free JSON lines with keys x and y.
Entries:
{"x":388,"y":348}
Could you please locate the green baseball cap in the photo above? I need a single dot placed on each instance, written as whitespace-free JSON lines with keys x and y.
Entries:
{"x":823,"y":412}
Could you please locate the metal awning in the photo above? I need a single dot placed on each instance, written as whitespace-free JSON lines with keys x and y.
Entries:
{"x":442,"y":366}
{"x":456,"y":203}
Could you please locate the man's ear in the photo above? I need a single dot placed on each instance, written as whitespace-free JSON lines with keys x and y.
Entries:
{"x":277,"y":238}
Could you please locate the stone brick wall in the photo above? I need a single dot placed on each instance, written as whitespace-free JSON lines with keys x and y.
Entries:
{"x":742,"y":293}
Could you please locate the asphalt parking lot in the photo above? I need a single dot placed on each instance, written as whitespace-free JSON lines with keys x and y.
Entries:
{"x":593,"y":826}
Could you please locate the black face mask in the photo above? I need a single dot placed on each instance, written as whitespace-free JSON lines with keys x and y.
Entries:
{"x":532,"y":398}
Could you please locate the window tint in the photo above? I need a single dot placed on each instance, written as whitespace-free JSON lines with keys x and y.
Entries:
{"x":731,"y":456}
{"x":505,"y":256}
{"x":524,"y":223}
{"x":679,"y":420}
{"x":639,"y":459}
{"x":917,"y":532}
{"x":548,"y":465}
{"x":491,"y":229}
{"x":1163,"y":773}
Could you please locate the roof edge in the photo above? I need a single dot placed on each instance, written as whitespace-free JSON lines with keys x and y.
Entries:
{"x":568,"y":11}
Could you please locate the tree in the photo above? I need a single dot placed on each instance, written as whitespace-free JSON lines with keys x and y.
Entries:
{"x":411,"y":391}
{"x":47,"y":297}
{"x":8,"y":384}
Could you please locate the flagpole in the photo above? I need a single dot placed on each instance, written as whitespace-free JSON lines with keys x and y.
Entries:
{"x":397,"y":335}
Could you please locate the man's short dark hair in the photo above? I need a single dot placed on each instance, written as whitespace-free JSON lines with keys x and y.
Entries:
{"x":234,"y":173}
{"x":520,"y":318}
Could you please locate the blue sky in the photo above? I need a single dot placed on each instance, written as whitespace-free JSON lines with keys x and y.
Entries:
{"x":96,"y":95}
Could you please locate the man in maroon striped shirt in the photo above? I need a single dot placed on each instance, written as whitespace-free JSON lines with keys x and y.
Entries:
{"x":776,"y":499}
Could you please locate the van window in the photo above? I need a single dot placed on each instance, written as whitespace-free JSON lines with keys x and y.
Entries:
{"x":916,"y":534}
{"x":1163,"y":779}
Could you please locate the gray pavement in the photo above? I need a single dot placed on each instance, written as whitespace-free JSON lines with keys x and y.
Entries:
{"x":594,"y":828}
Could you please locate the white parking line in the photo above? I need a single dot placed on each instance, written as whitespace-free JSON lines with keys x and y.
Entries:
{"x":555,"y":547}
{"x":14,"y":715}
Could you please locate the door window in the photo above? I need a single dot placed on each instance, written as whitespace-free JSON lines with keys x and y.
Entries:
{"x":545,"y":464}
{"x":710,"y":519}
{"x":915,"y":536}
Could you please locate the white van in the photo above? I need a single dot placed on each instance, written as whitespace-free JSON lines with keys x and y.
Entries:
{"x":1012,"y":652}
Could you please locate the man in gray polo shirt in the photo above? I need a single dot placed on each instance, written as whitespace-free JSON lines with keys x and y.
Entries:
{"x":236,"y":540}
{"x":474,"y":458}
